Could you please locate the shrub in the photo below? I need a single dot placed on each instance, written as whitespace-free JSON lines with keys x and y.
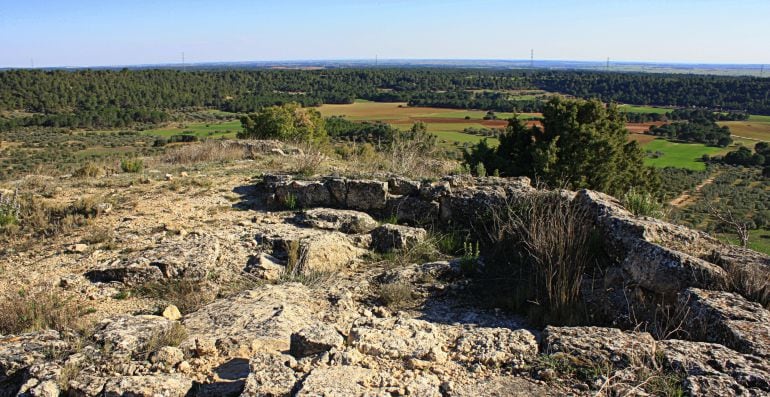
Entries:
{"x":208,"y":151}
{"x":396,"y":294}
{"x":132,"y":165}
{"x":171,"y":336}
{"x":187,"y":295}
{"x":10,"y":209}
{"x":88,"y":170}
{"x":642,"y":204}
{"x":536,"y":250}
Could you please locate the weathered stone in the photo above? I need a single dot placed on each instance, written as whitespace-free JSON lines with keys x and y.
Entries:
{"x":364,"y":195}
{"x":360,"y":382}
{"x":172,"y":313}
{"x":148,"y":386}
{"x":126,"y":335}
{"x":714,"y":370}
{"x":496,"y":346}
{"x":403,"y":187}
{"x":262,"y":319}
{"x":389,"y":237}
{"x":465,"y":205}
{"x":399,"y":338}
{"x":597,"y":346}
{"x":317,"y":338}
{"x":270,"y":375}
{"x":433,"y":191}
{"x":168,"y":355}
{"x":338,"y":189}
{"x":729,"y":319}
{"x":77,"y":248}
{"x":19,"y":353}
{"x":190,"y":257}
{"x":346,"y":221}
{"x":303,"y":194}
{"x":412,"y":210}
{"x":266,"y":267}
{"x":506,"y":386}
{"x":666,"y":271}
{"x":271,"y":181}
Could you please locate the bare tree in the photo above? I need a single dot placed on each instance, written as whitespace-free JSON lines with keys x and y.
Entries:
{"x":727,"y":219}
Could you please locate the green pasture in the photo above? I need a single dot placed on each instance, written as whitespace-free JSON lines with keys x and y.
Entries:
{"x":643,"y":109}
{"x":226,"y":129}
{"x":680,"y":155}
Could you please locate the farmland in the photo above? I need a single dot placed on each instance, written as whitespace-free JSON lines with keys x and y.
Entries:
{"x":226,"y":129}
{"x":680,"y":155}
{"x":754,"y":130}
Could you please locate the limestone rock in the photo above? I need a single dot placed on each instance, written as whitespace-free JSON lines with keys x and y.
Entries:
{"x":148,"y":386}
{"x":126,"y":335}
{"x":729,"y":319}
{"x":714,"y":370}
{"x":317,"y":338}
{"x":172,"y":313}
{"x":357,"y":381}
{"x":77,"y":248}
{"x":192,"y":256}
{"x":303,"y":194}
{"x":346,"y":221}
{"x":262,"y":319}
{"x":270,"y":375}
{"x":399,"y":338}
{"x":433,"y":191}
{"x":389,"y":237}
{"x":266,"y":267}
{"x":403,"y":187}
{"x":19,"y":353}
{"x":496,"y":346}
{"x":412,"y":210}
{"x":366,"y":195}
{"x":596,"y":345}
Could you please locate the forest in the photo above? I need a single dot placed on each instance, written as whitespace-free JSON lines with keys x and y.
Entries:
{"x":82,"y":98}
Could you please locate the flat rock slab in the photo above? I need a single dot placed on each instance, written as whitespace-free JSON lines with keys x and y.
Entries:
{"x":148,"y":386}
{"x":399,"y":338}
{"x":359,"y":382}
{"x":346,"y":221}
{"x":271,"y":375}
{"x":262,"y":319}
{"x":715,"y":370}
{"x":19,"y":352}
{"x":192,"y":256}
{"x":496,"y":346}
{"x":387,"y":238}
{"x":128,"y":335}
{"x":597,"y":345}
{"x":729,"y":319}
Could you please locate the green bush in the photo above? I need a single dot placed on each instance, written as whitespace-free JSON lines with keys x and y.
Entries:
{"x":132,"y":165}
{"x":642,"y":204}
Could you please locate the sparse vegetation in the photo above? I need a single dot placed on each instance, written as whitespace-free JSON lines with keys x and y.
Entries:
{"x":642,"y":204}
{"x":39,"y":308}
{"x":396,"y":294}
{"x":186,"y":294}
{"x":170,"y":336}
{"x":132,"y":165}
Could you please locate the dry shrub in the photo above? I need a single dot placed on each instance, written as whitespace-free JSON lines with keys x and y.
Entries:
{"x":171,"y":336}
{"x":207,"y":151}
{"x":396,"y":294}
{"x":89,"y":170}
{"x":39,"y":216}
{"x":751,"y":281}
{"x":186,"y":294}
{"x":39,"y":308}
{"x":309,"y":161}
{"x":537,"y":250}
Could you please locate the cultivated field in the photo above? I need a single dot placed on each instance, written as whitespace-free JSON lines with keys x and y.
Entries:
{"x":751,"y":131}
{"x":680,"y":155}
{"x":226,"y":129}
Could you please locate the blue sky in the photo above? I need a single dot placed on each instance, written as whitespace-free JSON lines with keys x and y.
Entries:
{"x":89,"y":32}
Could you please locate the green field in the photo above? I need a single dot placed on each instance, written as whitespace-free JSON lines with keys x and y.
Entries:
{"x":680,"y":155}
{"x":643,"y":109}
{"x":226,"y":129}
{"x":759,"y":240}
{"x":755,"y":117}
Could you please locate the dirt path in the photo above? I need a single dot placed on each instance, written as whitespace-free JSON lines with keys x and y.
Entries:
{"x":686,"y":196}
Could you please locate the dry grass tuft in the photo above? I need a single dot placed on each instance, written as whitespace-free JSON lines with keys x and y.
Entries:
{"x":204,"y":152}
{"x":187,"y":295}
{"x":171,"y":336}
{"x":37,"y":309}
{"x":395,"y":295}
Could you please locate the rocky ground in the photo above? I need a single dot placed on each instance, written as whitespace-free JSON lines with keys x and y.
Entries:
{"x":220,"y":280}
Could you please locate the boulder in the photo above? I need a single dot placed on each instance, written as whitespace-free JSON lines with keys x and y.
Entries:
{"x":715,"y":370}
{"x":317,"y":338}
{"x":338,"y":189}
{"x":433,"y":191}
{"x":166,"y":385}
{"x":390,"y":237}
{"x":728,"y":319}
{"x":365,"y":195}
{"x":192,"y":256}
{"x":172,"y":313}
{"x":346,"y":221}
{"x":593,"y":346}
{"x":167,"y":355}
{"x":270,"y":375}
{"x":495,"y":346}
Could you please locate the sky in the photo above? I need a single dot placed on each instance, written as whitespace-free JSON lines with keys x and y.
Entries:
{"x":130,"y":32}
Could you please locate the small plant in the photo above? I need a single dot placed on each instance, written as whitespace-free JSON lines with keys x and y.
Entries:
{"x":290,"y":202}
{"x":122,"y":295}
{"x":88,"y":170}
{"x":132,"y":165}
{"x":10,"y":209}
{"x":470,"y":259}
{"x":481,"y":171}
{"x":171,"y":336}
{"x":187,"y":295}
{"x":642,"y":204}
{"x":37,"y":309}
{"x":396,"y":294}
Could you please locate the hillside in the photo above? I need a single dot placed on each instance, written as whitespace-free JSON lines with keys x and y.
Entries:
{"x":253,"y":268}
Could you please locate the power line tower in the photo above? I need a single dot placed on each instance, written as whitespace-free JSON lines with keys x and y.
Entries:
{"x":532,"y":58}
{"x":762,"y":71}
{"x":376,"y":60}
{"x":608,"y":64}
{"x":184,"y":66}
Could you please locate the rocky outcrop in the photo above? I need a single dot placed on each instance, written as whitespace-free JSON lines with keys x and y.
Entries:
{"x":192,"y":256}
{"x":315,"y":339}
{"x":270,"y":374}
{"x":128,"y":336}
{"x":358,"y":381}
{"x":147,"y":386}
{"x":714,"y":370}
{"x":20,"y":354}
{"x":496,"y":346}
{"x":728,"y":319}
{"x":399,"y":338}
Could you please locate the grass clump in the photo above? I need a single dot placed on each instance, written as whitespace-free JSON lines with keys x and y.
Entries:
{"x":36,"y":309}
{"x":132,"y":165}
{"x":396,"y":294}
{"x":171,"y":336}
{"x":642,"y":204}
{"x":10,"y":209}
{"x":186,"y":294}
{"x":88,"y":170}
{"x":536,"y":251}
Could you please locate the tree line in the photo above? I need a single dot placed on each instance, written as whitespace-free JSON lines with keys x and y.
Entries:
{"x":76,"y":93}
